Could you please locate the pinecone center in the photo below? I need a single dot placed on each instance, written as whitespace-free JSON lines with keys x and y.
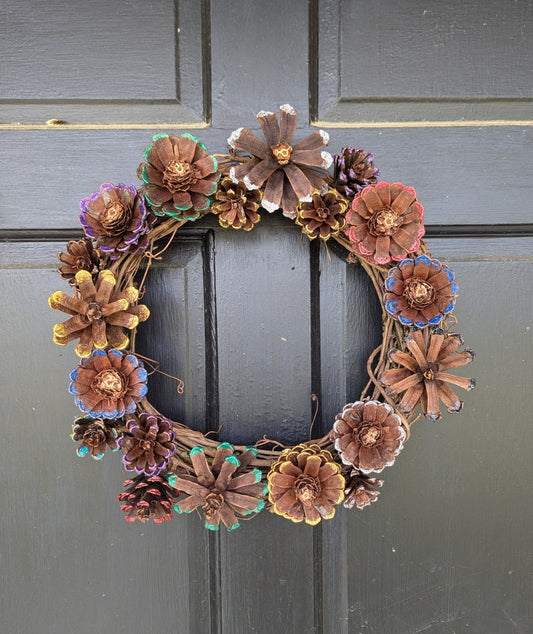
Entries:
{"x":236,"y":207}
{"x":146,"y":444}
{"x":83,"y":264}
{"x":109,"y":383}
{"x":94,"y":312}
{"x":418,"y":293}
{"x":430,"y":371}
{"x":94,"y":436}
{"x":282,"y":152}
{"x":179,"y":176}
{"x":369,"y":435}
{"x":321,"y":213}
{"x":307,"y":489}
{"x":384,"y":222}
{"x":212,"y":504}
{"x":114,"y":217}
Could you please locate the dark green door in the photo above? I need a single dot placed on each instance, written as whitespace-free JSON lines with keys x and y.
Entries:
{"x":256,"y":323}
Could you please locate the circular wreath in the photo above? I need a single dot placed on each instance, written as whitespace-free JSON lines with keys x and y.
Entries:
{"x":379,"y":224}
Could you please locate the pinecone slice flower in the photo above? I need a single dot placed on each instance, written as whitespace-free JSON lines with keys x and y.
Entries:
{"x":305,"y":483}
{"x":423,"y":375}
{"x":224,"y":490}
{"x":419,"y":292}
{"x":288,"y":172}
{"x":368,"y":435}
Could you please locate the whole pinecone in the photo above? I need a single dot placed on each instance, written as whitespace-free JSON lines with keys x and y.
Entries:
{"x":323,"y":216}
{"x":361,"y":490}
{"x":150,"y":445}
{"x":225,"y":489}
{"x":423,"y":375}
{"x":368,"y":435}
{"x":95,"y":435}
{"x":147,"y":497}
{"x":80,"y":256}
{"x":305,"y":483}
{"x":237,"y":206}
{"x":353,"y":170}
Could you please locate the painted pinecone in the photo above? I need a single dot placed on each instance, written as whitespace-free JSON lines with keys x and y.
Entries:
{"x":361,"y":490}
{"x":117,"y":218}
{"x":287,"y":173}
{"x":322,"y":217}
{"x":108,"y":384}
{"x":80,"y":256}
{"x":386,"y":222}
{"x":179,"y":175}
{"x":353,"y":170}
{"x":148,"y":444}
{"x":99,"y":315}
{"x":225,"y":489}
{"x":147,"y":497}
{"x":368,"y":435}
{"x":419,"y":292}
{"x":305,"y":484}
{"x":237,"y":206}
{"x":423,"y":376}
{"x":95,"y":435}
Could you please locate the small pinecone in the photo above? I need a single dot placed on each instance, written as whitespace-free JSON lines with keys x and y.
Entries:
{"x":237,"y":205}
{"x":361,"y":490}
{"x":80,"y":256}
{"x":147,"y":498}
{"x":95,"y":435}
{"x":323,"y":216}
{"x":150,"y":445}
{"x":353,"y":170}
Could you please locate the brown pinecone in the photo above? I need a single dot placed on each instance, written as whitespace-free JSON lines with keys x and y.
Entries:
{"x":99,"y":316}
{"x":80,"y":256}
{"x":225,"y":489}
{"x":95,"y":435}
{"x":353,"y":170}
{"x":237,"y":207}
{"x":368,"y":435}
{"x":150,"y":445}
{"x":423,"y":376}
{"x":361,"y":490}
{"x":147,"y":497}
{"x":323,"y":216}
{"x":305,"y":483}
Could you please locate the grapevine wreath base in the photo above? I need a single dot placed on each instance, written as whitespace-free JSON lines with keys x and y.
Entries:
{"x":178,"y":470}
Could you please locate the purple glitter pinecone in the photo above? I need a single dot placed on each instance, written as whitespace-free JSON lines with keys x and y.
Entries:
{"x":353,"y":170}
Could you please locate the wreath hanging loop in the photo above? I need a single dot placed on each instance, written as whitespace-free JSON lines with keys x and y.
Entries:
{"x":176,"y":469}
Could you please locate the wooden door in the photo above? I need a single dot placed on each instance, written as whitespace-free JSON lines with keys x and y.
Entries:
{"x":254,"y":324}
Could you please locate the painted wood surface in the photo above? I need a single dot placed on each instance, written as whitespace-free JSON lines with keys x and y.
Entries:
{"x":447,"y":548}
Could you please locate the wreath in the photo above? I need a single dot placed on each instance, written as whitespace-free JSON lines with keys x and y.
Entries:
{"x":176,"y":469}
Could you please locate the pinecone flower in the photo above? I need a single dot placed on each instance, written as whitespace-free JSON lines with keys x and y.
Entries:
{"x":423,"y":376}
{"x":305,"y":483}
{"x":117,"y":218}
{"x":99,"y":315}
{"x":287,"y":173}
{"x":368,"y":435}
{"x":323,"y":216}
{"x":179,"y":176}
{"x":361,"y":490}
{"x":150,"y":445}
{"x":224,"y":489}
{"x":108,"y":384}
{"x":95,"y":435}
{"x":237,"y":206}
{"x":419,"y":292}
{"x":147,"y":497}
{"x":386,"y":222}
{"x":353,"y":170}
{"x":80,"y":256}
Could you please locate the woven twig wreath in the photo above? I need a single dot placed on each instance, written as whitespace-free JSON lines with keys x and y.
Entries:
{"x":380,"y":225}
